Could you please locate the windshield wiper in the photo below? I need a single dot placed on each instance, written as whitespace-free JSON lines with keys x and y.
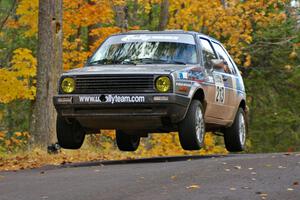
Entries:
{"x":105,"y":61}
{"x":177,"y":62}
{"x":136,"y":61}
{"x":150,"y":61}
{"x":142,"y":61}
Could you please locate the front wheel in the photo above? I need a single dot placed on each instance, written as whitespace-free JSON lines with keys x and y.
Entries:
{"x":192,"y":128}
{"x":70,"y":134}
{"x":235,"y":135}
{"x":126,"y":142}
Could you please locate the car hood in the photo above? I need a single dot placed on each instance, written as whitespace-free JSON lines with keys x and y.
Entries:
{"x":127,"y":69}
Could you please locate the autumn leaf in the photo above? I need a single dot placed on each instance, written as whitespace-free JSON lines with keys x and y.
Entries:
{"x":194,"y":186}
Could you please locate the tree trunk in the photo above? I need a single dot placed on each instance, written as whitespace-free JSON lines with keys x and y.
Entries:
{"x":43,"y":121}
{"x":164,"y":15}
{"x":121,"y":18}
{"x":91,"y":39}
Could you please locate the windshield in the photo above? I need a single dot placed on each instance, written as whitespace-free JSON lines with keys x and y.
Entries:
{"x":147,"y":49}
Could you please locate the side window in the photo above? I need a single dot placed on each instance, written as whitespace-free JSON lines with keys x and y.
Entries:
{"x":208,"y":53}
{"x":223,"y":55}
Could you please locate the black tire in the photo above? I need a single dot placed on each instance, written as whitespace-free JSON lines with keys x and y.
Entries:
{"x":70,"y":134}
{"x":191,"y":137}
{"x":235,"y":135}
{"x":126,"y":142}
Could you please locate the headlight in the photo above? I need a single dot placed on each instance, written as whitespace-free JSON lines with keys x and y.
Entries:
{"x":68,"y":85}
{"x":163,"y":84}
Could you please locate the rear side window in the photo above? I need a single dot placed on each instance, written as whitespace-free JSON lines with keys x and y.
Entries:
{"x":223,"y":55}
{"x":208,"y":53}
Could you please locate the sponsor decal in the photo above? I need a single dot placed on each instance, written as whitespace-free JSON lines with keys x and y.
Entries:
{"x":160,"y":98}
{"x":148,"y":37}
{"x":64,"y":100}
{"x":209,"y":79}
{"x":220,"y":89}
{"x":183,"y":87}
{"x":111,"y":99}
{"x":196,"y":74}
{"x":183,"y":75}
{"x":218,"y":79}
{"x":186,"y":84}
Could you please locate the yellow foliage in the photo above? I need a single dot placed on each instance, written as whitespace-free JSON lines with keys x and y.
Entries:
{"x":28,"y":11}
{"x":233,"y":24}
{"x":102,"y":33}
{"x":163,"y":145}
{"x":2,"y":135}
{"x":156,"y":145}
{"x":247,"y":63}
{"x":83,"y":14}
{"x":24,"y":63}
{"x":18,"y":134}
{"x":16,"y":81}
{"x":77,"y":15}
{"x":13,"y":141}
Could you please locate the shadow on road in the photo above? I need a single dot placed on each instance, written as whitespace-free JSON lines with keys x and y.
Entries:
{"x":138,"y":161}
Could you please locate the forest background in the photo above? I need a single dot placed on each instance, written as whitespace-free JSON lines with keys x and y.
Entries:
{"x":263,"y":37}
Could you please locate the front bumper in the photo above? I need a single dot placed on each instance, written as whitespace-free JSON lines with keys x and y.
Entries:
{"x":136,"y":111}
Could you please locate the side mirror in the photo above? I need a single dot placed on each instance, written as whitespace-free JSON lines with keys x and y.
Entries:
{"x":218,"y":63}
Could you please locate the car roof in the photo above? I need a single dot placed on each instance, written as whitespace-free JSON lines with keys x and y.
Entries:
{"x":171,"y":31}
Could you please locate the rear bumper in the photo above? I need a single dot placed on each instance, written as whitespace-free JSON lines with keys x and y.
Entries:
{"x":126,"y":111}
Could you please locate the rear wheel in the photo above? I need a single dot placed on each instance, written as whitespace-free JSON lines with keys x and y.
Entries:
{"x":70,"y":134}
{"x":126,"y":142}
{"x":235,"y":136}
{"x":192,"y":128}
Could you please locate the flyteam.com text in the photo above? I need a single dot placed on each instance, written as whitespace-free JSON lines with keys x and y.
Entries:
{"x":112,"y":99}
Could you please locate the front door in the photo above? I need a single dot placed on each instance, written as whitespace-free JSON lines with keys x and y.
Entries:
{"x":217,"y":92}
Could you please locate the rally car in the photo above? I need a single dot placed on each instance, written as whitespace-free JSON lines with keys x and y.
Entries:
{"x":144,"y":82}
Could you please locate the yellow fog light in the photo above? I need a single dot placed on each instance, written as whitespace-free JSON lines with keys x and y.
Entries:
{"x":68,"y":85}
{"x":163,"y":84}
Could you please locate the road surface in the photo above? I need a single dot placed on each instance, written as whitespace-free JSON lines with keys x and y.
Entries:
{"x":240,"y":176}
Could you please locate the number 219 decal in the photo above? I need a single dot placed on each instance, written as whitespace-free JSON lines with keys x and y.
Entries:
{"x":220,"y":94}
{"x":220,"y":89}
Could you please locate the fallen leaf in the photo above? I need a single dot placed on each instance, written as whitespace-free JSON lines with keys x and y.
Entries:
{"x":250,"y":168}
{"x":232,"y":188}
{"x":262,"y":194}
{"x":173,"y":177}
{"x":281,"y":167}
{"x":290,"y":189}
{"x":296,"y":183}
{"x":238,"y":167}
{"x":268,"y":165}
{"x":227,"y":170}
{"x":245,"y":187}
{"x":193,"y":187}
